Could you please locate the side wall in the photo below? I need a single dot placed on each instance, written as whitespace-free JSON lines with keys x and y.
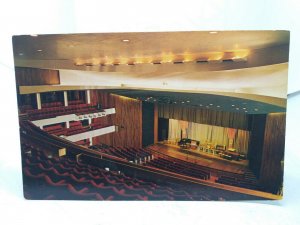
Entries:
{"x":128,"y":118}
{"x":148,"y":123}
{"x":34,"y":76}
{"x":271,"y":172}
{"x":163,"y":129}
{"x":257,"y":132}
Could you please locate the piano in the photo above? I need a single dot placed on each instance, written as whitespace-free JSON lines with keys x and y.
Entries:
{"x":188,"y":143}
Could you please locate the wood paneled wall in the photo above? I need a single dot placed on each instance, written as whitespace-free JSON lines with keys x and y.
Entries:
{"x":128,"y":118}
{"x":35,"y":76}
{"x":204,"y":116}
{"x":271,"y":173}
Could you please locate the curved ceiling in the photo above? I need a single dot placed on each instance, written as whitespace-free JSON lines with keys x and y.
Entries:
{"x":265,"y":80}
{"x":232,"y":63}
{"x":123,"y":48}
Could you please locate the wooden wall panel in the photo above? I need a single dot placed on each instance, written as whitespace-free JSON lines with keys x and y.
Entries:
{"x":128,"y":118}
{"x":204,"y":116}
{"x":35,"y":76}
{"x":271,"y":173}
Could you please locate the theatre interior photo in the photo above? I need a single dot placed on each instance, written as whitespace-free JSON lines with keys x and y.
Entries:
{"x":192,"y":116}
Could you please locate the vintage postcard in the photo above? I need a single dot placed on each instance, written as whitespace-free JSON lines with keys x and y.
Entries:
{"x":178,"y":116}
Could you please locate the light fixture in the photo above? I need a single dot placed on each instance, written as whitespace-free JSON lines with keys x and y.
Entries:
{"x":21,"y":53}
{"x":187,"y":101}
{"x":232,"y":105}
{"x":237,"y":108}
{"x":244,"y":108}
{"x":255,"y":109}
{"x":33,"y":35}
{"x":39,"y":50}
{"x":200,"y":105}
{"x":213,"y":32}
{"x":211,"y":104}
{"x":125,"y":40}
{"x":218,"y":106}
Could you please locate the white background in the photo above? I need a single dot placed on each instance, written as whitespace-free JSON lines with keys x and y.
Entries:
{"x":44,"y":17}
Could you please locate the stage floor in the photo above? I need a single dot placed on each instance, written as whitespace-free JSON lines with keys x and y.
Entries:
{"x":202,"y":158}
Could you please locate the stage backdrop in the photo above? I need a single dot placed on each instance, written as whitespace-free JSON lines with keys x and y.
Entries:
{"x":239,"y":139}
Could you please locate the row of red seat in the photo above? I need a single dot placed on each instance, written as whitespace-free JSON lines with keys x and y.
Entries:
{"x":75,"y":102}
{"x":61,"y":110}
{"x":130,"y":154}
{"x":75,"y":128}
{"x":53,"y":178}
{"x":244,"y":183}
{"x":180,"y":168}
{"x":52,"y":104}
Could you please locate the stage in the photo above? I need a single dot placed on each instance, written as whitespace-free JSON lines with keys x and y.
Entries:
{"x":202,"y":158}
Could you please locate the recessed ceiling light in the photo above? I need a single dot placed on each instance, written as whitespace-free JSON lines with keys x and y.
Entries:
{"x":213,"y":32}
{"x":246,"y":111}
{"x":21,"y":53}
{"x":175,"y":102}
{"x":182,"y":102}
{"x":255,"y":109}
{"x":39,"y":50}
{"x":211,"y":104}
{"x":201,"y":105}
{"x":232,"y":105}
{"x":244,"y":108}
{"x":125,"y":40}
{"x":237,"y":108}
{"x":218,"y":106}
{"x":187,"y":101}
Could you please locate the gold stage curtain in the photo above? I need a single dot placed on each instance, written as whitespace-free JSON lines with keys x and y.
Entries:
{"x":204,"y":116}
{"x":174,"y":130}
{"x":211,"y":134}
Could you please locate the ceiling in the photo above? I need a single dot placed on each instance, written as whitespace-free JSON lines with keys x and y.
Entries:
{"x":143,"y":47}
{"x":239,"y":62}
{"x":205,"y":101}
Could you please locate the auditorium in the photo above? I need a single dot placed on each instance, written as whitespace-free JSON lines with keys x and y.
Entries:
{"x":176,"y":116}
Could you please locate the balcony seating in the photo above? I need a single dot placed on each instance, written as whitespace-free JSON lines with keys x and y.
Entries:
{"x":62,"y":178}
{"x":75,"y":102}
{"x":52,"y":104}
{"x":54,"y":109}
